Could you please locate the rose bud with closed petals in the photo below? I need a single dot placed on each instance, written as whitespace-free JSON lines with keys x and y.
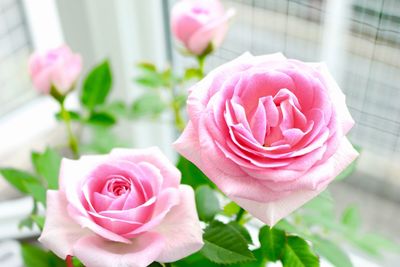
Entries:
{"x":126,"y":208}
{"x":199,"y":24}
{"x":269,"y":132}
{"x":58,"y":68}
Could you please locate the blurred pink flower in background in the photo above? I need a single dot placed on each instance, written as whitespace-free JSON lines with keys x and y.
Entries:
{"x":269,"y":132}
{"x":123,"y":209}
{"x":58,"y":67}
{"x":198,"y":23}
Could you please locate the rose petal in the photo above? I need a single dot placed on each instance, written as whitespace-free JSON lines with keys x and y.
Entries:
{"x":271,"y":212}
{"x":60,"y":232}
{"x":95,"y":251}
{"x":181,"y":228}
{"x":153,"y":155}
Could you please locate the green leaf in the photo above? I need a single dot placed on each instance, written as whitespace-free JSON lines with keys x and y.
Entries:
{"x":34,"y":256}
{"x":223,"y":244}
{"x":37,"y":191}
{"x":39,"y":220}
{"x":150,"y":81}
{"x":231,"y":209}
{"x":331,"y":252}
{"x":115,"y":108}
{"x":74,"y":115}
{"x":192,"y":175}
{"x":27,"y":222}
{"x":148,"y":104}
{"x":259,"y":262}
{"x":147,"y":66}
{"x":155,"y":264}
{"x":96,"y":86}
{"x":47,"y":165}
{"x":351,"y":218}
{"x":195,"y":260}
{"x":287,"y":227}
{"x":192,"y":73}
{"x":102,"y":118}
{"x":297,"y":253}
{"x":17,"y":178}
{"x":272,"y":242}
{"x":242,"y":230}
{"x":207,"y":203}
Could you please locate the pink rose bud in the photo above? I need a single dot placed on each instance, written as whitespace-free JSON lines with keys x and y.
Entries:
{"x":200,"y":23}
{"x":58,"y":67}
{"x":126,"y":208}
{"x":269,"y":132}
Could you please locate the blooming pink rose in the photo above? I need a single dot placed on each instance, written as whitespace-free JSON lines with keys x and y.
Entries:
{"x":122,"y":209}
{"x":269,"y":132}
{"x":58,"y":67}
{"x":197,"y":23}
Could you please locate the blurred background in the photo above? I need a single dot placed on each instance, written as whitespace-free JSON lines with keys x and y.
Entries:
{"x":358,"y":39}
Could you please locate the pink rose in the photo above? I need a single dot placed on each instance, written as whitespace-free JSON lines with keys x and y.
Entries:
{"x":269,"y":132}
{"x":122,"y":209}
{"x":57,"y":67}
{"x":197,"y":23}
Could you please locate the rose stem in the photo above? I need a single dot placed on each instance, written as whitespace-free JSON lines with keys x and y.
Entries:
{"x":201,"y":59}
{"x":73,"y":143}
{"x":240,"y":214}
{"x":69,"y":262}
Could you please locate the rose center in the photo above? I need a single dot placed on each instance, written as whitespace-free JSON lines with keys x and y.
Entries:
{"x":118,"y":186}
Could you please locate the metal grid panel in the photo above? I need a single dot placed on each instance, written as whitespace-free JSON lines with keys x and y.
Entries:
{"x":15,"y":47}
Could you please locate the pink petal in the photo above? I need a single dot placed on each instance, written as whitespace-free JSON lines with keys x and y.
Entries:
{"x":95,"y":251}
{"x":336,"y":96}
{"x":181,"y":229}
{"x":60,"y":232}
{"x":271,"y":212}
{"x":153,"y":155}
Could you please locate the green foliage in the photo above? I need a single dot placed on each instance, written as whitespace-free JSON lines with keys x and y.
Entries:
{"x":47,"y":165}
{"x":18,"y":178}
{"x":192,"y":73}
{"x":333,"y":253}
{"x":231,"y":209}
{"x":34,"y":256}
{"x":74,"y":115}
{"x":297,"y":253}
{"x":207,"y":203}
{"x":351,"y":218}
{"x":96,"y":86}
{"x":102,"y":119}
{"x":223,"y":244}
{"x":37,"y":191}
{"x":102,"y":140}
{"x":242,"y":230}
{"x":192,"y":175}
{"x":195,"y":260}
{"x":152,"y":78}
{"x":272,"y":242}
{"x":39,"y":220}
{"x":148,"y":104}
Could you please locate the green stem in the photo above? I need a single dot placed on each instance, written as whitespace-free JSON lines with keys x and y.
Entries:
{"x":201,"y":60}
{"x":179,"y":122}
{"x":240,"y":214}
{"x":72,"y":141}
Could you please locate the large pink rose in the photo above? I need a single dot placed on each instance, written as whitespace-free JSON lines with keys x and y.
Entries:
{"x":269,"y":132}
{"x":58,"y":67}
{"x":122,"y":209}
{"x":197,"y":23}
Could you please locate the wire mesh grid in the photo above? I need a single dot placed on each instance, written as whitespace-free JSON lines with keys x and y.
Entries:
{"x":15,"y":47}
{"x":370,"y":73}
